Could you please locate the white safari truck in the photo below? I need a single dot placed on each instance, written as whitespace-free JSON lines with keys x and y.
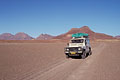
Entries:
{"x":79,"y":46}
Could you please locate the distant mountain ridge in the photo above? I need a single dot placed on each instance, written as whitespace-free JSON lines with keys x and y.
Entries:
{"x":44,"y":37}
{"x":22,"y":36}
{"x":85,"y":29}
{"x":118,"y":37}
{"x":18,"y":36}
{"x":6,"y":36}
{"x":66,"y":36}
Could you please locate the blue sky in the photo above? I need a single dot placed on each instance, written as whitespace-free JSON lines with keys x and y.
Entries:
{"x":58,"y":16}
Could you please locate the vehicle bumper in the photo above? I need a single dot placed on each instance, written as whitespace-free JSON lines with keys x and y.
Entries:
{"x":78,"y":53}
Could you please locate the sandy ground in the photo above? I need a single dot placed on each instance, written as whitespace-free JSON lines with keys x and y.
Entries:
{"x":46,"y":61}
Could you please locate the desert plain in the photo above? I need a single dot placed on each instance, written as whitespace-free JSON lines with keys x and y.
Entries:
{"x":47,"y":61}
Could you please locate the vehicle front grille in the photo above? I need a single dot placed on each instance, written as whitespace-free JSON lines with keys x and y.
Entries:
{"x":73,"y":49}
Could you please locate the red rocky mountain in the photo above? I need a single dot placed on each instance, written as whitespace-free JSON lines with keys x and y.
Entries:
{"x":44,"y":37}
{"x":22,"y":36}
{"x":84,"y":29}
{"x":6,"y":36}
{"x":18,"y":36}
{"x":118,"y":37}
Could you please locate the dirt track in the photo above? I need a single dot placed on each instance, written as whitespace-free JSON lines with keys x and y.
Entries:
{"x":46,"y":61}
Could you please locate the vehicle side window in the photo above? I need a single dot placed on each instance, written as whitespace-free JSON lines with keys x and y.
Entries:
{"x":88,"y":41}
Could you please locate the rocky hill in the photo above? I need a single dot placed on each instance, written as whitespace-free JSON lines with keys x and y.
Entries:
{"x":66,"y":36}
{"x":6,"y":36}
{"x":44,"y":37}
{"x":84,"y":29}
{"x":18,"y":36}
{"x":22,"y":36}
{"x":118,"y":37}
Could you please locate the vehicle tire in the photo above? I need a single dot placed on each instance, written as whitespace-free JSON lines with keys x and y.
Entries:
{"x":90,"y":52}
{"x":83,"y":56}
{"x":67,"y":56}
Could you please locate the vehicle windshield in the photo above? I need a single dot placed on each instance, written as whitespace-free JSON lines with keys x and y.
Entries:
{"x":77,"y":41}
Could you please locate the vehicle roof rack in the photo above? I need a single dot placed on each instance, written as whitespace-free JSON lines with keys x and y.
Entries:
{"x":80,"y":35}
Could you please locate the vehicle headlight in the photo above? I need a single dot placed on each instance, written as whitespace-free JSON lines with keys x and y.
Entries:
{"x":79,"y":48}
{"x":67,"y":49}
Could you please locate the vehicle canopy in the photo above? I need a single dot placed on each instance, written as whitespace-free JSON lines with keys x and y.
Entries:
{"x":79,"y":35}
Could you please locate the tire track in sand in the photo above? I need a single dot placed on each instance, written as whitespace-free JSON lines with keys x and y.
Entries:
{"x":66,"y":69}
{"x":83,"y":68}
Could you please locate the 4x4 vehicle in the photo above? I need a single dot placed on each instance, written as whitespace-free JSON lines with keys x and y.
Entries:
{"x":79,"y":45}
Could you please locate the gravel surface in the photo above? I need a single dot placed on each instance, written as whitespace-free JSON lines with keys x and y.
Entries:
{"x":46,"y":61}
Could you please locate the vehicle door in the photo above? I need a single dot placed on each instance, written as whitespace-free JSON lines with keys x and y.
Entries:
{"x":87,"y":45}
